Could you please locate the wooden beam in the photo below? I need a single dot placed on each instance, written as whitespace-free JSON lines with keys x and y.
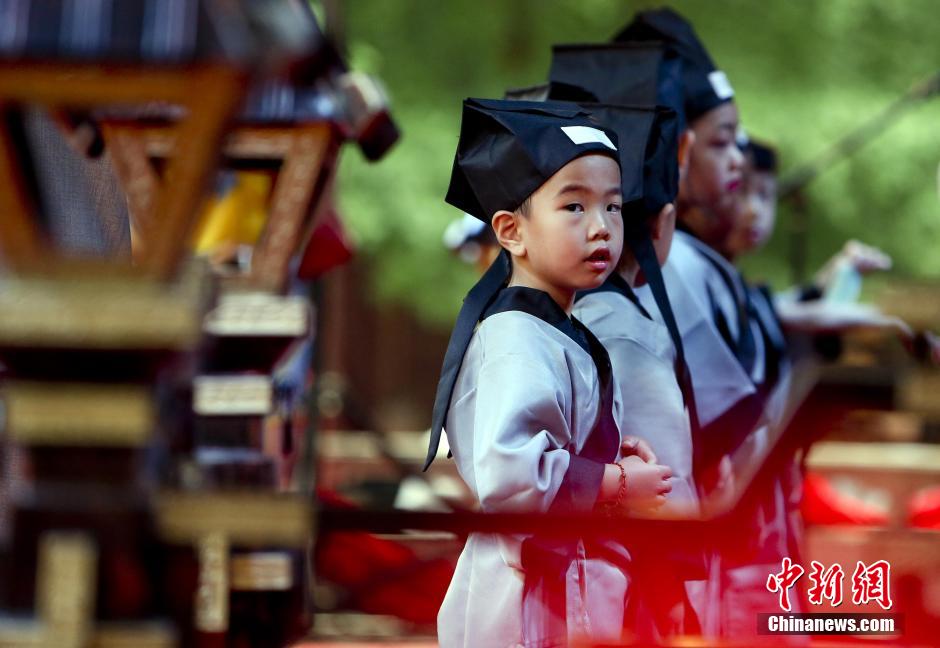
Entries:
{"x":290,"y":207}
{"x":214,"y":96}
{"x":78,"y":86}
{"x":21,"y":242}
{"x":138,"y":178}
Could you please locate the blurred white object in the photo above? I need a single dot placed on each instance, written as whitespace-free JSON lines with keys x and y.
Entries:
{"x":415,"y":494}
{"x":821,"y":316}
{"x":462,"y":229}
{"x":841,"y":278}
{"x":845,"y":283}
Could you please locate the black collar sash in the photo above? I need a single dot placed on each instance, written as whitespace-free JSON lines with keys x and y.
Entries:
{"x":474,"y":305}
{"x":744,"y":347}
{"x":604,"y":441}
{"x":617,"y":284}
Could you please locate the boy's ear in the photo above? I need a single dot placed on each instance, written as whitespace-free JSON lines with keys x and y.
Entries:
{"x":664,"y":222}
{"x":686,"y":142}
{"x":506,"y":228}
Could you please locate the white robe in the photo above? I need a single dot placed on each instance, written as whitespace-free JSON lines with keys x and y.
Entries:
{"x":525,"y":391}
{"x":642,"y":355}
{"x":719,"y":381}
{"x":643,"y":358}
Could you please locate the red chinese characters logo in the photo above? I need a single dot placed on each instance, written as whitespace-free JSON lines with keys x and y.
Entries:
{"x":870,"y":583}
{"x":783,"y":581}
{"x":826,"y":584}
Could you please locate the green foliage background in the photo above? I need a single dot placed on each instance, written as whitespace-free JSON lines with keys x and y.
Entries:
{"x":805,"y":73}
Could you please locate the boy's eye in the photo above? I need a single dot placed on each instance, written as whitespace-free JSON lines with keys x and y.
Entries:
{"x":613,"y":207}
{"x":576,"y":208}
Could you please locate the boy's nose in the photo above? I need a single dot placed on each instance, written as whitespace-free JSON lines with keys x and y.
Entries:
{"x":737,"y":158}
{"x":752,"y":208}
{"x":599,"y":227}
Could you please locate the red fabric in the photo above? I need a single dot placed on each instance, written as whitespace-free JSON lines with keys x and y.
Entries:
{"x":349,"y":558}
{"x":328,"y":248}
{"x":924,"y":510}
{"x":823,"y":504}
{"x":381,"y":576}
{"x":414,"y":595}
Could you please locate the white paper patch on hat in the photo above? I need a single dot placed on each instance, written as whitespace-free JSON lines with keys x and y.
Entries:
{"x":720,"y":84}
{"x":586,"y":135}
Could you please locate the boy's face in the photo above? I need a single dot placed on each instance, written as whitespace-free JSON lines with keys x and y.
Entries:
{"x":755,"y":225}
{"x":761,"y":192}
{"x":714,"y":179}
{"x":573,"y":234}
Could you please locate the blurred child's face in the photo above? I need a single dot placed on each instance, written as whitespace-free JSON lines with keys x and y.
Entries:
{"x":573,"y":234}
{"x":755,"y":224}
{"x":714,"y":178}
{"x":719,"y":230}
{"x":761,"y":192}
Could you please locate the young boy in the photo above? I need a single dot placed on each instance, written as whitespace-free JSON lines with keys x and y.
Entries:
{"x":724,"y":394}
{"x":528,"y":397}
{"x":759,"y":201}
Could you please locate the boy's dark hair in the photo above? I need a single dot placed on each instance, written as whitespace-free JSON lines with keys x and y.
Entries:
{"x":523,"y":209}
{"x":763,"y":156}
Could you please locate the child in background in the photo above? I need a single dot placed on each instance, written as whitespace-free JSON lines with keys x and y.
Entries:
{"x":470,"y":239}
{"x":710,"y":300}
{"x":644,"y":361}
{"x":646,"y":358}
{"x":834,"y":288}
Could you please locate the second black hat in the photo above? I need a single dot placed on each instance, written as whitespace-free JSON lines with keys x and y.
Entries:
{"x":632,"y":74}
{"x":704,"y":86}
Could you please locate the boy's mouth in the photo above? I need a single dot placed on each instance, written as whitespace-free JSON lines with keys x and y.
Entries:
{"x":599,"y":259}
{"x":755,"y":234}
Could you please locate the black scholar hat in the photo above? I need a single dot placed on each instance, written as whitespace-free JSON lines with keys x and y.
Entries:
{"x":649,"y":167}
{"x":508,"y":149}
{"x":704,"y":86}
{"x":633,"y":74}
{"x":647,"y":151}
